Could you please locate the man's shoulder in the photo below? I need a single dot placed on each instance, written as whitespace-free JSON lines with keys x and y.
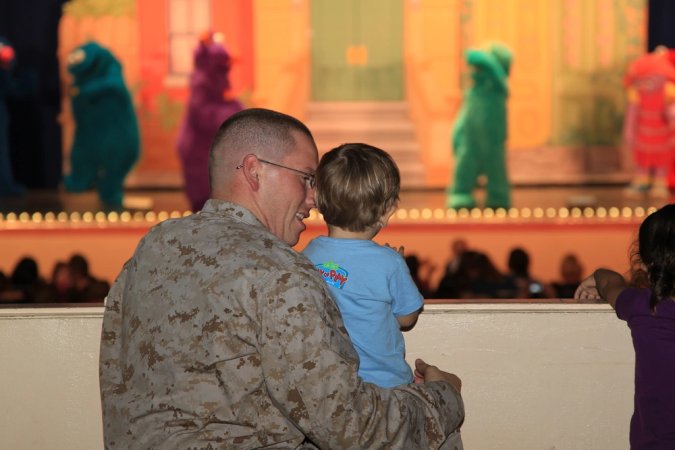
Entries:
{"x":203,"y":239}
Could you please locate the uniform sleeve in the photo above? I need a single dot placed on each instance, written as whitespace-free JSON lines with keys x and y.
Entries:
{"x":111,"y":379}
{"x":310,"y":370}
{"x":407,"y":298}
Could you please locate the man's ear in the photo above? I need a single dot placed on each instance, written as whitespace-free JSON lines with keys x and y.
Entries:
{"x":250,"y":166}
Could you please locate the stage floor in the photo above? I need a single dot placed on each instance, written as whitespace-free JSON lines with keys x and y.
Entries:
{"x":594,"y":196}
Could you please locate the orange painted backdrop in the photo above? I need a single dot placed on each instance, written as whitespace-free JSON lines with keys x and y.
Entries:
{"x":139,"y":37}
{"x":162,"y":99}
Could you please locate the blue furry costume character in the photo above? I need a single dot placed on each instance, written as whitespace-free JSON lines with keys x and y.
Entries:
{"x":479,"y":134}
{"x":8,"y":186}
{"x":209,"y":106}
{"x":106,"y":143}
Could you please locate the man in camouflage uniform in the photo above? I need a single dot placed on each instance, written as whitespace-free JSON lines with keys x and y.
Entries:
{"x":217,"y":334}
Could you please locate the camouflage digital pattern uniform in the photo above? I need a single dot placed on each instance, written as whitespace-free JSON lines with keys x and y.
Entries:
{"x":217,"y":334}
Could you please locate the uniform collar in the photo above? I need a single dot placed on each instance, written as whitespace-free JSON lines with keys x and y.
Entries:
{"x":233,"y":210}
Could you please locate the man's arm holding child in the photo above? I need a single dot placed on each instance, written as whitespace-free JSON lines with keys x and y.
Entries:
{"x":310,"y":371}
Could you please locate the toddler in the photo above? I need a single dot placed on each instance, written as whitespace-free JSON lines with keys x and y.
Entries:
{"x":357,"y":192}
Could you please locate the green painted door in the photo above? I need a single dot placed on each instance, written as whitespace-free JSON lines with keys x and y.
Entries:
{"x":357,"y":50}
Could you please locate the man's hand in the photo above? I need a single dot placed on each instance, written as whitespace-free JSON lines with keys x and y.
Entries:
{"x":425,"y":373}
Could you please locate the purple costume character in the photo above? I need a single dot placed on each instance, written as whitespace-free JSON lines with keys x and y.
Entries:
{"x":208,"y":108}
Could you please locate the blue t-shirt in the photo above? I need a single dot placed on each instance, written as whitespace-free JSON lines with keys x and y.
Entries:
{"x":371,"y":285}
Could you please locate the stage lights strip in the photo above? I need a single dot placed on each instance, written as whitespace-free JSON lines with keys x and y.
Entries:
{"x":439,"y":215}
{"x":550,"y":213}
{"x":416,"y":215}
{"x":89,"y":218}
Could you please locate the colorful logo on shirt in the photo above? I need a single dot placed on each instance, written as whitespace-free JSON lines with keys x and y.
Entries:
{"x":333,"y":274}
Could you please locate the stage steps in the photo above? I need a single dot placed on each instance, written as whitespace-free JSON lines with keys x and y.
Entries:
{"x":386,"y":125}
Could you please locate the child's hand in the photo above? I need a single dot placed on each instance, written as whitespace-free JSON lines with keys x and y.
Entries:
{"x":587,"y":290}
{"x":399,"y":249}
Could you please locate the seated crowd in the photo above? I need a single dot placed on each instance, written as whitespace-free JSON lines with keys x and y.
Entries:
{"x":471,"y":274}
{"x":70,"y":282}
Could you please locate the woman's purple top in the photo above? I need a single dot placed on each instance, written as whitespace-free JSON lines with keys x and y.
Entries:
{"x":653,"y":422}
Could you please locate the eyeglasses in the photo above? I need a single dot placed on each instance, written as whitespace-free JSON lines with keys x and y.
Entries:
{"x":309,"y":178}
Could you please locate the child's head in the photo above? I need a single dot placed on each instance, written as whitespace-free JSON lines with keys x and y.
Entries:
{"x":357,"y":186}
{"x":656,"y":241}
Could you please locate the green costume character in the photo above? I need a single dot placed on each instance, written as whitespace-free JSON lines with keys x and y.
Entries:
{"x":479,"y":134}
{"x":106,"y":144}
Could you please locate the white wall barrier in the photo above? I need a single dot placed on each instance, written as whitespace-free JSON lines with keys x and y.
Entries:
{"x":536,"y":376}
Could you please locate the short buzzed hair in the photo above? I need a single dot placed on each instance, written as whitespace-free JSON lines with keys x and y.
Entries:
{"x":356,"y":184}
{"x":257,"y":130}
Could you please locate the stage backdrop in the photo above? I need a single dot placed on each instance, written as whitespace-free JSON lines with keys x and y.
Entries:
{"x":565,"y":109}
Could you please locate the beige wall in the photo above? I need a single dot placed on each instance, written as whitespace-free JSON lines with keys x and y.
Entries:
{"x":535,"y":376}
{"x":49,"y":379}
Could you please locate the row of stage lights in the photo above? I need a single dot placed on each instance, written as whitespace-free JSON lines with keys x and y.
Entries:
{"x":414,"y":214}
{"x":88,"y":217}
{"x":525,"y":213}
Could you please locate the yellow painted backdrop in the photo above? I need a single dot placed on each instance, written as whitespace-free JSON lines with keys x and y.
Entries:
{"x":566,"y":93}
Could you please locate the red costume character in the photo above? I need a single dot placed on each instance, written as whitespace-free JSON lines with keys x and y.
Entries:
{"x":649,"y":127}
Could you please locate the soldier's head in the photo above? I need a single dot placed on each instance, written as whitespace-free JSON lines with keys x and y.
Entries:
{"x":265,"y":161}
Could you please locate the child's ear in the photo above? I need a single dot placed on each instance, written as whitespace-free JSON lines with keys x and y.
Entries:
{"x":387,"y":215}
{"x":390,"y":212}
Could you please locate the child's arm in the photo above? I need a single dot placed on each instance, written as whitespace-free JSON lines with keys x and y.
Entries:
{"x":407,"y":322}
{"x":405,"y":295}
{"x":604,"y":284}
